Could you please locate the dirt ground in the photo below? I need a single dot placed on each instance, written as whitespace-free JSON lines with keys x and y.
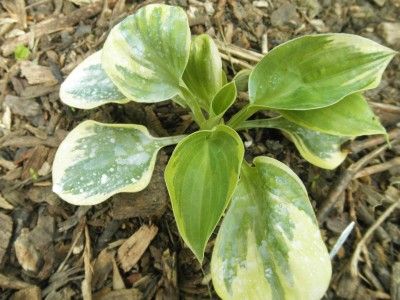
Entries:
{"x":129,"y":247}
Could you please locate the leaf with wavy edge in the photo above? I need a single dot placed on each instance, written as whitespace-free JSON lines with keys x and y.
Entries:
{"x":315,"y":71}
{"x":88,"y":86}
{"x":146,"y":54}
{"x":269,"y":245}
{"x":201,"y":176}
{"x":351,"y":116}
{"x":321,"y":149}
{"x":96,"y":161}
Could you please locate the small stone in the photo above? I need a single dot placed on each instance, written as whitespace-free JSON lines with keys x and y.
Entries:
{"x":283,"y":15}
{"x":380,"y":3}
{"x":34,"y":248}
{"x":36,"y":74}
{"x":260,"y":4}
{"x":390,"y":32}
{"x":28,"y":257}
{"x":319,"y":25}
{"x":22,"y":107}
{"x":313,"y":7}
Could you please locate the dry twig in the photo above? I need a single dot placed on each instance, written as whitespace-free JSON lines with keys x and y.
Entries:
{"x":63,"y":263}
{"x":87,"y":257}
{"x":12,"y":283}
{"x":52,"y":25}
{"x":238,"y":52}
{"x":373,"y":141}
{"x":385,"y":107}
{"x":362,"y":243}
{"x":236,"y":62}
{"x":344,"y":180}
{"x":133,"y":248}
{"x":378,"y":168}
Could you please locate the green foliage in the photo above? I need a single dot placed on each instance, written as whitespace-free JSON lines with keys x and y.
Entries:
{"x":223,"y":99}
{"x":321,"y":149}
{"x":269,"y":245}
{"x":316,"y":71}
{"x":201,"y":177}
{"x":88,"y":86}
{"x":203,"y":74}
{"x":146,"y":54}
{"x":351,"y":116}
{"x":21,"y":52}
{"x":97,"y":160}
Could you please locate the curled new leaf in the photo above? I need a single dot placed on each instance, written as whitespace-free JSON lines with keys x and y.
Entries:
{"x":224,"y":99}
{"x":320,"y":149}
{"x":242,"y":80}
{"x":201,"y":176}
{"x":269,"y":245}
{"x":351,"y":116}
{"x":88,"y":86}
{"x":316,"y":71}
{"x":146,"y":54}
{"x":203,"y":74}
{"x":96,"y":161}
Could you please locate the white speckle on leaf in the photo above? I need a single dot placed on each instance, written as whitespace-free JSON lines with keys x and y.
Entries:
{"x":92,"y":153}
{"x":278,"y":227}
{"x":103,"y":179}
{"x":112,"y":140}
{"x":136,"y":159}
{"x":268,"y":273}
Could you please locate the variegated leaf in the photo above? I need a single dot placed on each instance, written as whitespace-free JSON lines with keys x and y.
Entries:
{"x":351,"y":116}
{"x":316,"y":71}
{"x":203,"y":74}
{"x":88,"y":86}
{"x":201,"y":176}
{"x":320,"y":149}
{"x":225,"y":97}
{"x":96,"y":161}
{"x":146,"y":54}
{"x":269,"y":245}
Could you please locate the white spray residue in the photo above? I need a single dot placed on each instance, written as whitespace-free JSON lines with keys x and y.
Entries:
{"x":136,"y":159}
{"x":103,"y":179}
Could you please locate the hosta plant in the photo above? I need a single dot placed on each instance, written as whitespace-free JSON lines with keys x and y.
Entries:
{"x":268,"y":245}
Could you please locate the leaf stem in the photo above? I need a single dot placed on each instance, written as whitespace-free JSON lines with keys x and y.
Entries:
{"x":171,"y":140}
{"x":259,"y":123}
{"x":193,"y":105}
{"x":242,"y":115}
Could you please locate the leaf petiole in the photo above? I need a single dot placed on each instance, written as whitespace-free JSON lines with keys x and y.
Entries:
{"x":242,"y":115}
{"x":259,"y":123}
{"x":171,"y":140}
{"x":193,"y":105}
